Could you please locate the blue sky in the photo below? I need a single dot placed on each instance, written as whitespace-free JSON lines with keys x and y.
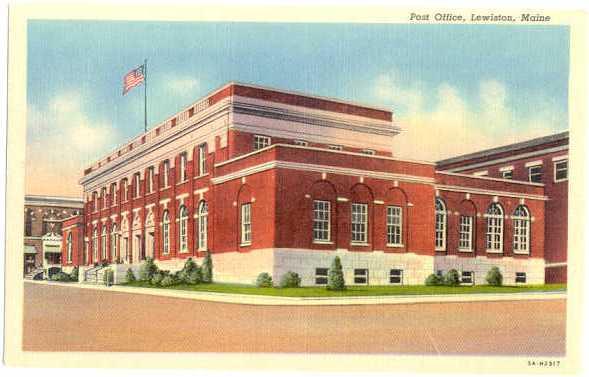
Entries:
{"x":489,"y":84}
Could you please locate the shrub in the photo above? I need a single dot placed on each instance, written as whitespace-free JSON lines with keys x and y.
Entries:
{"x":335,"y":280}
{"x":434,"y":279}
{"x":264,"y":280}
{"x":290,"y":280}
{"x":452,"y":278}
{"x":189,"y":266}
{"x":60,"y":276}
{"x":148,"y":269}
{"x":207,"y":269}
{"x":104,"y":263}
{"x":108,"y":277}
{"x":74,"y":274}
{"x":494,"y":277}
{"x":194,"y":277}
{"x":130,"y":276}
{"x":157,"y":278}
{"x":168,"y":281}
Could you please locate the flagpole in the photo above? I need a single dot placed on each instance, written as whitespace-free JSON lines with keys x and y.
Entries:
{"x":145,"y":94}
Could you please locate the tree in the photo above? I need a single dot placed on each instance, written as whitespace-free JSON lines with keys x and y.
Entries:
{"x":452,"y":278}
{"x":147,"y":269}
{"x":494,"y":277}
{"x":335,"y":281}
{"x":207,"y":269}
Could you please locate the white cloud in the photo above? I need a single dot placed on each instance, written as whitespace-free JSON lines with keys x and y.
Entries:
{"x":62,"y":140}
{"x":452,"y":124}
{"x":182,"y":84}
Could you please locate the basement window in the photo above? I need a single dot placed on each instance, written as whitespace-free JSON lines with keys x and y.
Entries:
{"x":321,"y":276}
{"x":467,"y":278}
{"x":361,"y":276}
{"x":520,"y":277}
{"x":396,"y":276}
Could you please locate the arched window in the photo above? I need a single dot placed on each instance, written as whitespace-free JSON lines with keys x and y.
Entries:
{"x":183,"y":231}
{"x":441,"y":224}
{"x":113,"y":242}
{"x":69,"y":248}
{"x":95,"y":244}
{"x":494,"y":228}
{"x":166,"y":233}
{"x":521,"y":230}
{"x":203,"y":224}
{"x":103,"y":243}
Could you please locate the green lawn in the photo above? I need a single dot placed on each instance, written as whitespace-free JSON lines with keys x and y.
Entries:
{"x":353,"y":291}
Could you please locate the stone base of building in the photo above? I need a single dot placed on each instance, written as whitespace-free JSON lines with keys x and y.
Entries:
{"x":480,"y":265}
{"x":244,"y":268}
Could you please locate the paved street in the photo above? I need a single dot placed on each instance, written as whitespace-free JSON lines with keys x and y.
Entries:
{"x":60,"y":318}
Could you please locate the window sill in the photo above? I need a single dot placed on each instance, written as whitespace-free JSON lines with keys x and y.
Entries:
{"x":318,"y":242}
{"x":395,"y":245}
{"x":561,"y":180}
{"x":202,"y":250}
{"x":440,"y":250}
{"x":465,"y":250}
{"x":165,"y":188}
{"x":489,"y":251}
{"x":181,"y":182}
{"x":359,"y":244}
{"x":521,"y":252}
{"x":245,"y":244}
{"x":200,"y":176}
{"x":182,"y":251}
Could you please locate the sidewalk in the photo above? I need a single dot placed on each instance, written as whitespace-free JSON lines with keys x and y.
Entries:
{"x":301,"y":301}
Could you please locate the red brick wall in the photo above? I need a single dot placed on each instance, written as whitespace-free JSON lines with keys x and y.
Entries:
{"x":556,"y":207}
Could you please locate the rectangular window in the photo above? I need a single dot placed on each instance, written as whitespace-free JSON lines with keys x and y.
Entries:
{"x":166,"y":174}
{"x":202,"y":159}
{"x":465,"y":242}
{"x":301,"y":143}
{"x":359,"y":223}
{"x":535,"y":173}
{"x":335,"y":147}
{"x":321,"y":276}
{"x":361,"y":276}
{"x":561,"y":170}
{"x":467,"y":278}
{"x":150,"y":179}
{"x":261,"y":142}
{"x":507,"y":174}
{"x":321,"y":220}
{"x":136,"y":185}
{"x":369,"y":152}
{"x":394,"y":226}
{"x":396,"y":276}
{"x":125,"y":190}
{"x":113,"y":194}
{"x":183,"y":166}
{"x":103,"y":194}
{"x":246,"y":224}
{"x":520,"y":277}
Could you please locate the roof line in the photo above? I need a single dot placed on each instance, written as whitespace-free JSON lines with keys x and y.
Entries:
{"x":506,"y":148}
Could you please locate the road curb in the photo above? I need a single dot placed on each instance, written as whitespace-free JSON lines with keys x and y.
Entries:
{"x":234,"y":298}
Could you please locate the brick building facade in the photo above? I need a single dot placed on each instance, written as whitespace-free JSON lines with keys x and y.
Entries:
{"x":543,"y":160}
{"x":274,"y":181}
{"x":42,"y":228}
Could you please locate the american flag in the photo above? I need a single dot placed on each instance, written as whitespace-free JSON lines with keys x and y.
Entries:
{"x":133,"y":78}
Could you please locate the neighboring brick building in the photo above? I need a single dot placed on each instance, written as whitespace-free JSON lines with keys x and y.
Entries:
{"x":271,"y":181}
{"x":43,"y":221}
{"x":543,"y":160}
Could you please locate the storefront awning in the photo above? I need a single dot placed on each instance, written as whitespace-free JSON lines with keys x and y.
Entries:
{"x":51,"y":249}
{"x":30,"y":249}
